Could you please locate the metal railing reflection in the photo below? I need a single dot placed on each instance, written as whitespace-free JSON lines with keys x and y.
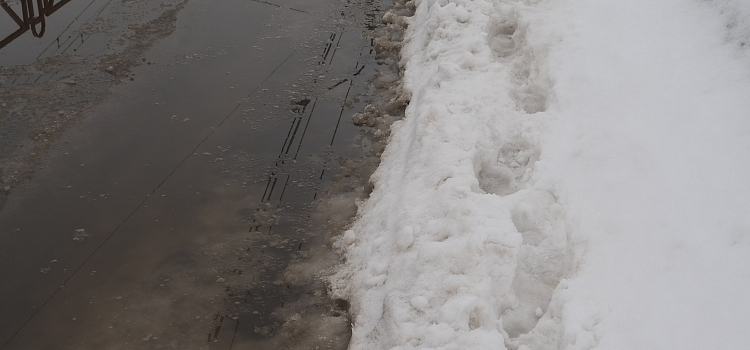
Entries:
{"x":32,"y":17}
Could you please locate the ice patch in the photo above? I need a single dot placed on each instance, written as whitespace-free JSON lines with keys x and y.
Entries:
{"x":349,"y":237}
{"x":80,"y":235}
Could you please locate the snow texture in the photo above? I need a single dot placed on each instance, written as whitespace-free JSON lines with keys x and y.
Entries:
{"x":570,"y":174}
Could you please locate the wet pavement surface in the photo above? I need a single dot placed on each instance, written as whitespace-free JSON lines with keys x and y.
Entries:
{"x":190,"y":206}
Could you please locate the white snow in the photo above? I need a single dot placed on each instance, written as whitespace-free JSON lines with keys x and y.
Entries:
{"x":570,"y":174}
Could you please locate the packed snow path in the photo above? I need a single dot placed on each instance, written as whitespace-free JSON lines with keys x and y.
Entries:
{"x":570,"y":174}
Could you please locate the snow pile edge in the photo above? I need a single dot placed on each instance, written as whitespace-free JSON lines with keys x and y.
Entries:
{"x":456,"y":232}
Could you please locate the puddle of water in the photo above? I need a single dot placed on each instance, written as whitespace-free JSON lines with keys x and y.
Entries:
{"x":192,"y":204}
{"x":39,"y":101}
{"x":79,"y":28}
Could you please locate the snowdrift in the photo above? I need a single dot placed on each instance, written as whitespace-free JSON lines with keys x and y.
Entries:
{"x":569,"y":175}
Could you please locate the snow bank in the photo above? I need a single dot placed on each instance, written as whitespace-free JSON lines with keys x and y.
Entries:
{"x":569,"y":175}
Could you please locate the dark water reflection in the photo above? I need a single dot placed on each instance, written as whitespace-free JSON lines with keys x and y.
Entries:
{"x":168,"y":217}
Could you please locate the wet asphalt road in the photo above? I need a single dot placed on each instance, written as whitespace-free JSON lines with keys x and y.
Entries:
{"x":145,"y":218}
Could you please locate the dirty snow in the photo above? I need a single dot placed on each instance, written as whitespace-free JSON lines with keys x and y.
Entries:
{"x":569,"y":175}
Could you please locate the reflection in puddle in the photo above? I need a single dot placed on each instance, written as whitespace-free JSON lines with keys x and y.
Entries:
{"x":205,"y":229}
{"x":30,"y":18}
